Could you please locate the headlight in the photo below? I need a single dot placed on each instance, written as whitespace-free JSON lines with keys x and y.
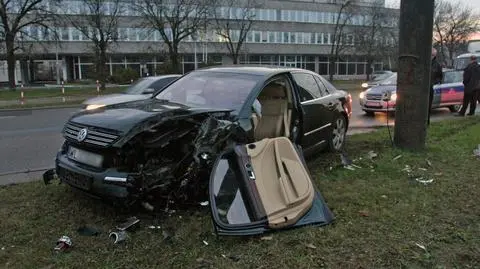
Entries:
{"x":393,"y":97}
{"x":362,"y":95}
{"x":364,"y":85}
{"x":91,"y":107}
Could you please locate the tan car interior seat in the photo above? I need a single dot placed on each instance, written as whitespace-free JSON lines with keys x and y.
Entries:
{"x":276,"y":115}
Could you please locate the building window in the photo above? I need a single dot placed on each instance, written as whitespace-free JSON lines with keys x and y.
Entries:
{"x":256,"y":35}
{"x":271,"y":37}
{"x":264,"y":37}
{"x":326,"y":39}
{"x":293,"y":38}
{"x":76,"y":35}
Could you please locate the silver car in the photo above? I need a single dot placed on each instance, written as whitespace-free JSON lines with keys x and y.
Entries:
{"x":140,"y":90}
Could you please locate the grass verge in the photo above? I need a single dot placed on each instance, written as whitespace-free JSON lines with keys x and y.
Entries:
{"x":384,"y":218}
{"x":49,"y":104}
{"x":55,"y":92}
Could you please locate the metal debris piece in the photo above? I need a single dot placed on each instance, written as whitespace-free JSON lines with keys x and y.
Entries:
{"x":311,"y":246}
{"x":397,"y":157}
{"x":421,"y":246}
{"x":425,"y":182}
{"x":118,"y":236}
{"x":371,"y":154}
{"x":266,"y":238}
{"x":63,"y":243}
{"x":128,"y":223}
{"x":204,"y":203}
{"x":205,"y":242}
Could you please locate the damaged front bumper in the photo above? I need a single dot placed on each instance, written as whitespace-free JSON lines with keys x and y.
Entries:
{"x":107,"y":182}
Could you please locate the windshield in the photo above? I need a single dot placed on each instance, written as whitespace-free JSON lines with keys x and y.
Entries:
{"x":211,"y":90}
{"x":382,"y":77}
{"x":473,"y":46}
{"x":452,"y":76}
{"x":391,"y":80}
{"x":139,"y":86}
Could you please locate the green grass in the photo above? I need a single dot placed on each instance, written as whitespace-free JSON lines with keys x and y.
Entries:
{"x":44,"y":105}
{"x":381,"y":216}
{"x":33,"y":93}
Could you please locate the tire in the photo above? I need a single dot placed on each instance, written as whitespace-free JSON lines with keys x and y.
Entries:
{"x":370,"y":113}
{"x":336,"y":142}
{"x":454,"y":108}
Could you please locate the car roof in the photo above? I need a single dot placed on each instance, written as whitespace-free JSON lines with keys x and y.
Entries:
{"x":263,"y":70}
{"x":163,"y":76}
{"x":467,"y":55}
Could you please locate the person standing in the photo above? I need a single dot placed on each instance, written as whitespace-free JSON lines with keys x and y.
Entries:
{"x":471,"y":83}
{"x":436,"y":77}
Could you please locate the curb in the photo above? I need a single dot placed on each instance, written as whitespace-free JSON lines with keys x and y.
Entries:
{"x":38,"y":108}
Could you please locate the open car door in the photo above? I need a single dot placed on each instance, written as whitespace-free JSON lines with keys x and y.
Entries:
{"x":262,"y":187}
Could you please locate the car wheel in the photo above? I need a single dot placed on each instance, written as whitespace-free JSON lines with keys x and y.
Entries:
{"x":370,"y":113}
{"x":339,"y":133}
{"x":454,"y":108}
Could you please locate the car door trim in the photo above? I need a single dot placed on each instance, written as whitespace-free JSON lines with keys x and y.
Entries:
{"x":313,"y":100}
{"x":318,"y":129}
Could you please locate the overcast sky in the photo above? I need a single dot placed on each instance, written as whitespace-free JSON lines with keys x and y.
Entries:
{"x":472,"y":3}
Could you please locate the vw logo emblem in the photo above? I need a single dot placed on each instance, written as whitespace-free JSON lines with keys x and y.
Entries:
{"x":82,"y":134}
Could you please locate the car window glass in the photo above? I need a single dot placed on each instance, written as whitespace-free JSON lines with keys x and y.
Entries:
{"x":308,"y":88}
{"x":330,"y":88}
{"x":452,"y":76}
{"x":323,"y":89}
{"x":211,"y":90}
{"x":139,"y":86}
{"x":159,"y":84}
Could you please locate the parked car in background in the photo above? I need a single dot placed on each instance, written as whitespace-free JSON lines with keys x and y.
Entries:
{"x":382,"y":98}
{"x":141,"y":89}
{"x":376,"y":80}
{"x":234,"y":135}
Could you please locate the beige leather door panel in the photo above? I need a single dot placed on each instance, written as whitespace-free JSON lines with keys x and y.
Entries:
{"x":283,"y":183}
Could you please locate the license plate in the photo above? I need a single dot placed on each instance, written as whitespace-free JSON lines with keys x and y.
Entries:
{"x":85,"y":157}
{"x":374,"y":104}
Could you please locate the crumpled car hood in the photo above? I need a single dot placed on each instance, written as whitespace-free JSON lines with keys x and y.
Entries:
{"x":134,"y":117}
{"x":112,"y":99}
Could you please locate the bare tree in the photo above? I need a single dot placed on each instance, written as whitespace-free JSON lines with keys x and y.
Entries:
{"x":175,"y":21}
{"x":370,"y":38}
{"x":98,"y":22}
{"x":453,"y":24}
{"x":342,"y":19}
{"x":16,"y":17}
{"x":233,"y":23}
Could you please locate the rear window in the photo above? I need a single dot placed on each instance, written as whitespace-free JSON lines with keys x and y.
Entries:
{"x":452,"y":76}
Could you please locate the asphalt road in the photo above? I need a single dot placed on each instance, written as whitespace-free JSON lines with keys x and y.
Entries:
{"x":29,"y":139}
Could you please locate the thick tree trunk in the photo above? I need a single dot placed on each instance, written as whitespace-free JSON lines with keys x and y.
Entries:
{"x":416,"y":24}
{"x":331,"y":68}
{"x":174,"y":60}
{"x":11,"y":61}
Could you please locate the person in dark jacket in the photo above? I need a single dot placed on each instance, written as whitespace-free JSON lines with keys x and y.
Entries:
{"x":436,"y":77}
{"x":471,"y":82}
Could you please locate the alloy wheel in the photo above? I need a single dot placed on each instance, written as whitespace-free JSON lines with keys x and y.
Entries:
{"x":338,"y":134}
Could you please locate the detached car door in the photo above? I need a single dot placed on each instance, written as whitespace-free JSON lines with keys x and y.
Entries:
{"x":264,"y":186}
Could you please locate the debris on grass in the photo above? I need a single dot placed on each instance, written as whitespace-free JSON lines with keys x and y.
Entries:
{"x":118,"y":236}
{"x":231,"y":257}
{"x":88,"y":231}
{"x":407,"y":169}
{"x":363,"y":213}
{"x":438,"y":174}
{"x":384,"y":196}
{"x":397,"y":157}
{"x":166,"y":236}
{"x":476,"y":151}
{"x":130,"y":222}
{"x":153,"y":227}
{"x":204,"y":203}
{"x":423,"y":169}
{"x":421,"y":246}
{"x":429,"y":163}
{"x":266,"y":238}
{"x":371,"y":155}
{"x":63,"y":243}
{"x":205,"y":243}
{"x":423,"y":181}
{"x":311,"y":246}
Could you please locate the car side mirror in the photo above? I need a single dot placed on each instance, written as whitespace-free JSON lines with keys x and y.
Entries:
{"x":148,"y":91}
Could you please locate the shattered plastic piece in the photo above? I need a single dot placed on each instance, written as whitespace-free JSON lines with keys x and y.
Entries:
{"x":397,"y":157}
{"x":128,"y":223}
{"x":429,"y":163}
{"x":384,"y":196}
{"x":420,"y":180}
{"x":118,"y":236}
{"x":349,"y":167}
{"x":204,"y":203}
{"x":88,"y":231}
{"x":421,"y":246}
{"x":153,"y":227}
{"x":205,"y":242}
{"x":345,"y":160}
{"x":371,"y":154}
{"x":63,"y":243}
{"x":266,"y":238}
{"x":311,"y":246}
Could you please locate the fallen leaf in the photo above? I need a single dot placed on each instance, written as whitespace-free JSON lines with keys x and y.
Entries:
{"x":266,"y":238}
{"x":311,"y":246}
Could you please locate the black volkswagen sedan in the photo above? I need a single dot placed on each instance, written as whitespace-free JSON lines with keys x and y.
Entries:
{"x":246,"y":128}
